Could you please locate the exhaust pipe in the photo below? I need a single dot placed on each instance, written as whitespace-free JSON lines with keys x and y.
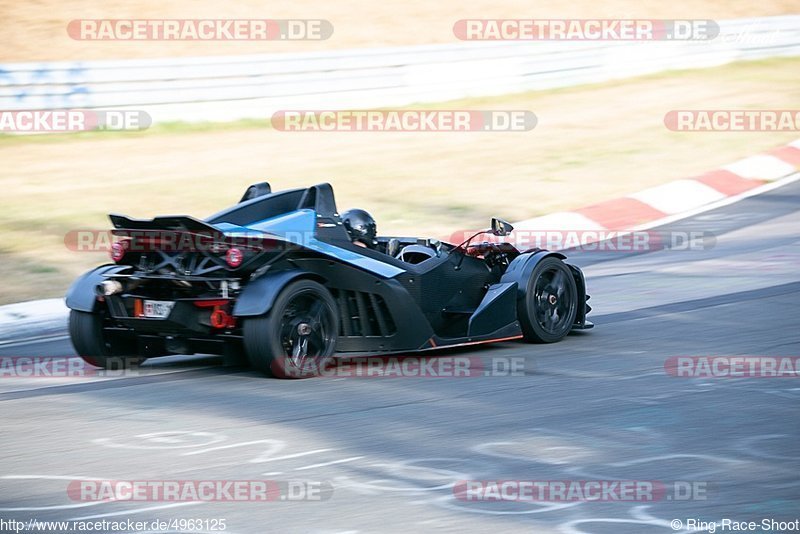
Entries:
{"x":107,"y":288}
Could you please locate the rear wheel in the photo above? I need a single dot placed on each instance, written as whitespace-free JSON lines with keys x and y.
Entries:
{"x":551,"y":302}
{"x":297,"y":338}
{"x":93,"y":345}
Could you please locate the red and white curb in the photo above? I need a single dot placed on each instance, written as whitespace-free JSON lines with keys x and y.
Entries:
{"x":672,"y":200}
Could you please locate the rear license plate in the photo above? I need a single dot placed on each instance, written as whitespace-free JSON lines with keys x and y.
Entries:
{"x":156,"y":309}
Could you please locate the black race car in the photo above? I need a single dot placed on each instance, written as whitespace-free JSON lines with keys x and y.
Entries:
{"x":281,"y":279}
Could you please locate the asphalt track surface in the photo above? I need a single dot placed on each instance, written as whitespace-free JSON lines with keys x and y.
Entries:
{"x":598,"y":405}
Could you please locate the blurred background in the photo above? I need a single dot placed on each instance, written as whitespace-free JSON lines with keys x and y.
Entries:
{"x":600,"y":109}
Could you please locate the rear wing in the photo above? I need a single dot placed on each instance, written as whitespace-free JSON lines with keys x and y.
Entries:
{"x":181,"y":232}
{"x":171,"y":223}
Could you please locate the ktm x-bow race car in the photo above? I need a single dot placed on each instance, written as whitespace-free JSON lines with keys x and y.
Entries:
{"x":280,"y":278}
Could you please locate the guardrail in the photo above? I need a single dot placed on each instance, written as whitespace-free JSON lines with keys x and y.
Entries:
{"x":226,"y":88}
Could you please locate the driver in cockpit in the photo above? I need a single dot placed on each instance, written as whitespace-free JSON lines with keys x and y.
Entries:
{"x":361,"y":227}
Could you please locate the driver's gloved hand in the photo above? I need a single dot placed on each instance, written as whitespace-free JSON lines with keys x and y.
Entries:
{"x":393,"y":247}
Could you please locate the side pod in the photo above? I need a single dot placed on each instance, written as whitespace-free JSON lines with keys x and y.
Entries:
{"x":498,"y":309}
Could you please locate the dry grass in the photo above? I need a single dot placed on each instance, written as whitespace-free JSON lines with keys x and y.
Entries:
{"x":37,"y":29}
{"x":592,"y":143}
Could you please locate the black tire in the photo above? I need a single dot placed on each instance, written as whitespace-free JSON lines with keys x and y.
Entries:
{"x":91,"y":344}
{"x":548,"y":310}
{"x":297,"y":338}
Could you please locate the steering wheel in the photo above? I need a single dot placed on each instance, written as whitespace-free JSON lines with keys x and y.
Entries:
{"x":415,"y":254}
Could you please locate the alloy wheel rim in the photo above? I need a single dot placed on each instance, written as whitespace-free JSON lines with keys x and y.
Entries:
{"x":306,"y":329}
{"x":553,"y":301}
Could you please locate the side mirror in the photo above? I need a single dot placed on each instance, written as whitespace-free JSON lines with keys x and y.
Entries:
{"x":501,"y":227}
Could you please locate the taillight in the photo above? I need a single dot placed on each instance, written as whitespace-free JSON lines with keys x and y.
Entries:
{"x":234,"y":257}
{"x":118,"y":250}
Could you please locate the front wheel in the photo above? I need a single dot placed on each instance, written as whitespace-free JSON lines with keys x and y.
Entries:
{"x":297,"y":338}
{"x":551,"y":302}
{"x":91,"y":343}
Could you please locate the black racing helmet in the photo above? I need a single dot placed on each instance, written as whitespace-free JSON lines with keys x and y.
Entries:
{"x":360,"y":226}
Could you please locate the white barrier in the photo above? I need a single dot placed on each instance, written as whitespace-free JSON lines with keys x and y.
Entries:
{"x":228,"y":88}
